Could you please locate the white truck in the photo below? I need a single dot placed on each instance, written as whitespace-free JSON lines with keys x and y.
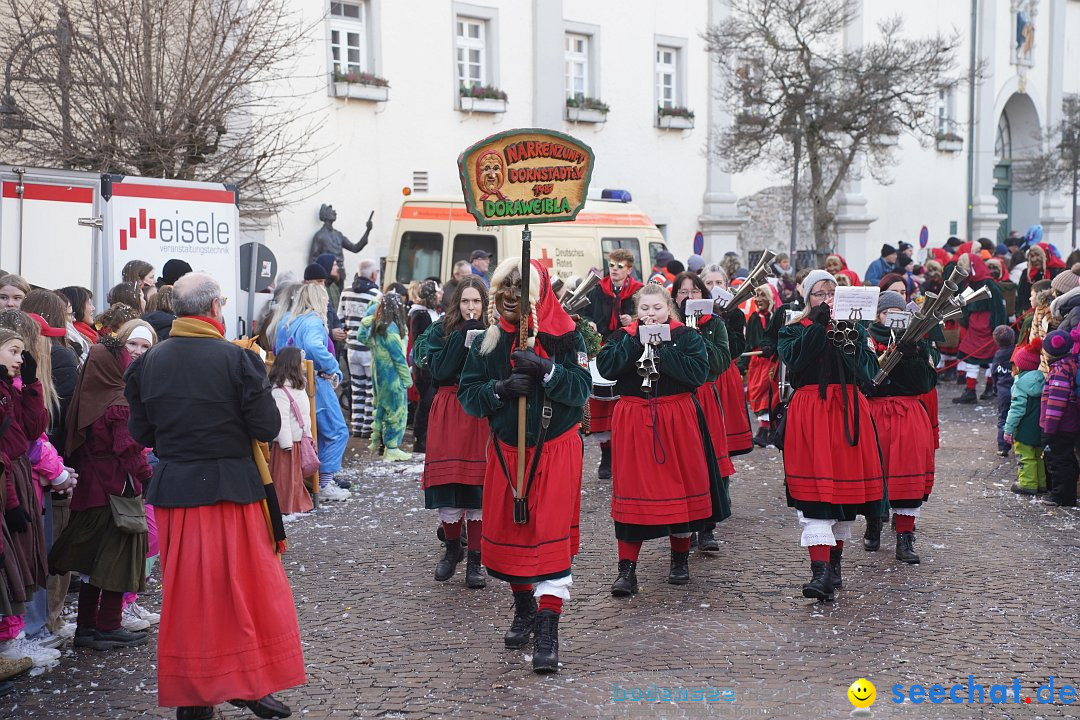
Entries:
{"x":65,"y":227}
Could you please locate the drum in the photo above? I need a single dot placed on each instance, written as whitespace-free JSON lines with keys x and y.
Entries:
{"x":601,"y":402}
{"x":602,"y":388}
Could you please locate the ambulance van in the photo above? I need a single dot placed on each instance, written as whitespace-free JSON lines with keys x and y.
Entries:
{"x":432,"y":233}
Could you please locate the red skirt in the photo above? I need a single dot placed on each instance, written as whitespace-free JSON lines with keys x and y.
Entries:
{"x":600,"y":414}
{"x":762,"y":386}
{"x":228,"y":620}
{"x":819,"y":465}
{"x":714,"y":421}
{"x":289,"y":480}
{"x":907,"y":446}
{"x":930,"y":403}
{"x":661,"y":477}
{"x":740,"y":438}
{"x":456,"y":443}
{"x":977,"y":344}
{"x":543,"y":548}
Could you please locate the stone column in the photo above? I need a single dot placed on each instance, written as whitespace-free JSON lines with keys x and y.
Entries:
{"x":720,"y":220}
{"x":1056,"y":216}
{"x":985,"y":215}
{"x":549,"y":96}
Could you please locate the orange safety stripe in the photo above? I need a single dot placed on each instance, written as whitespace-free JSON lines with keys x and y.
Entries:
{"x":435,"y":212}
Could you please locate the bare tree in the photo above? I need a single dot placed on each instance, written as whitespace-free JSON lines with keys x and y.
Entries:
{"x":792,"y":84}
{"x":179,"y":89}
{"x":1057,"y":167}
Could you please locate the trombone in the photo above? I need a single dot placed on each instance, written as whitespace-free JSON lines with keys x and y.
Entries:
{"x":753,"y":280}
{"x":578,"y":300}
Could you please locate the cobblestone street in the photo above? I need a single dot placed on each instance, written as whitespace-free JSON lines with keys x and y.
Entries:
{"x":993,"y":598}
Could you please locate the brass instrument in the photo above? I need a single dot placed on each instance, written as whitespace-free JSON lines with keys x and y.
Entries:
{"x":577,"y":301}
{"x":753,"y":280}
{"x":936,"y":308}
{"x":844,"y":334}
{"x":646,"y":364}
{"x":786,"y":390}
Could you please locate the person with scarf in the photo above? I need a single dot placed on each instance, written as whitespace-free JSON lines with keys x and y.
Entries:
{"x":665,"y":479}
{"x":611,"y":306}
{"x":837,"y":265}
{"x":713,"y":330}
{"x":110,"y":463}
{"x":977,"y":345}
{"x":762,"y":388}
{"x":1043,"y":264}
{"x":903,"y":428}
{"x":553,"y":375}
{"x":456,"y":458}
{"x":832,"y":466}
{"x":730,"y":386}
{"x":228,"y":620}
{"x":82,"y":311}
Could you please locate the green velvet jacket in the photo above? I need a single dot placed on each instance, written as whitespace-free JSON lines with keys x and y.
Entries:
{"x":811,"y":358}
{"x":995,"y":304}
{"x":715,"y":334}
{"x":568,"y":389}
{"x":735,"y":322}
{"x":443,"y":357}
{"x":914,"y":375}
{"x":683,"y":363}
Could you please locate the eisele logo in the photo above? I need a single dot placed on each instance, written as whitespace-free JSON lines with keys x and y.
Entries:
{"x":204,"y":231}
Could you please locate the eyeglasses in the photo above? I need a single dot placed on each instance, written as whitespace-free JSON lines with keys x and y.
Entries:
{"x":821,"y":295}
{"x":223,"y":300}
{"x":617,"y":266}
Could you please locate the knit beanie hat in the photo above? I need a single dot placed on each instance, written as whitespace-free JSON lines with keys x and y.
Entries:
{"x":694,"y":263}
{"x":1066,"y":280}
{"x":887,"y":249}
{"x":1026,"y":357}
{"x":1004,"y":336}
{"x":1057,"y":344}
{"x":890,"y":300}
{"x":812,"y":279}
{"x":174,"y":270}
{"x":315,"y":271}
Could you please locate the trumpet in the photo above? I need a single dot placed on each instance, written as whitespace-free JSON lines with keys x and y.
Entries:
{"x":936,"y":308}
{"x":646,"y":365}
{"x":844,"y":334}
{"x":577,"y":301}
{"x":753,"y":280}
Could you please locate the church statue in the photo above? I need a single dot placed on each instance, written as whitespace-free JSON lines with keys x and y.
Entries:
{"x":329,"y":240}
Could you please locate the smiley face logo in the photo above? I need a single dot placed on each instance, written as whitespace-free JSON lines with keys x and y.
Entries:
{"x":862,"y":693}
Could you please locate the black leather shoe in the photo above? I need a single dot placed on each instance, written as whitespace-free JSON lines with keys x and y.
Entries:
{"x":604,"y":471}
{"x":116,"y":639}
{"x":546,"y":643}
{"x":707,"y":542}
{"x":267,"y":706}
{"x":834,"y":567}
{"x":820,"y":585}
{"x":521,"y":627}
{"x":194,"y":712}
{"x":84,"y":636}
{"x":680,"y":568}
{"x":966,"y":398}
{"x":872,"y":537}
{"x":905,"y":551}
{"x":475,"y":577}
{"x":626,"y":583}
{"x":445,"y":568}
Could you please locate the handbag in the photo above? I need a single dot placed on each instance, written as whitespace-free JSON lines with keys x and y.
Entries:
{"x":128,"y":513}
{"x":309,"y":456}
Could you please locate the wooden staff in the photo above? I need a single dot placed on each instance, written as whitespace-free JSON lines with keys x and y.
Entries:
{"x":521,"y":508}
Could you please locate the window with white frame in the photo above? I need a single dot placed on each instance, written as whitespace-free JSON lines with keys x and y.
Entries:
{"x":348,"y":37}
{"x":667,"y":76}
{"x":471,"y":51}
{"x":946,"y":123}
{"x":577,"y":65}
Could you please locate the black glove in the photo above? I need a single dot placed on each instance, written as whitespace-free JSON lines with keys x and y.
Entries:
{"x":473,"y":324}
{"x":29,"y":369}
{"x":821,"y":314}
{"x":767,"y":351}
{"x":528,"y":362}
{"x":908,"y":349}
{"x":17,"y":519}
{"x":517,"y":385}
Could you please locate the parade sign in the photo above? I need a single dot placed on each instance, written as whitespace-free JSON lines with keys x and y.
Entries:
{"x":525,"y":176}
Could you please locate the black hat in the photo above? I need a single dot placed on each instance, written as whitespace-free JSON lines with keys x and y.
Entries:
{"x":954,"y":242}
{"x":903,"y":261}
{"x":887,"y":249}
{"x":905,"y":246}
{"x":174,"y":270}
{"x":479,"y":255}
{"x":315,"y":271}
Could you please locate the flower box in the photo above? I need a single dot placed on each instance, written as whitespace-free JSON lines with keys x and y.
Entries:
{"x":674,"y":122}
{"x":357,"y":91}
{"x":482,"y":105}
{"x":585,"y":115}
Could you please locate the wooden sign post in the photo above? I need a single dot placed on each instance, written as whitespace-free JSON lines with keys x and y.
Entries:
{"x":519,"y":177}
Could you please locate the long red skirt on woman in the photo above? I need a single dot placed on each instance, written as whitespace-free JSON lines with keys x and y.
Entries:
{"x":909,"y":464}
{"x":714,"y":421}
{"x":456,"y":448}
{"x":740,"y":437}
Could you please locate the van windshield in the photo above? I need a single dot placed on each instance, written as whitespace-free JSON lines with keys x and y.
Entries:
{"x":608,"y":244}
{"x":420,"y":256}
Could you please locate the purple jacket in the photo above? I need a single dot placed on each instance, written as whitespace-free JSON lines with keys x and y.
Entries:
{"x":1059,"y":412}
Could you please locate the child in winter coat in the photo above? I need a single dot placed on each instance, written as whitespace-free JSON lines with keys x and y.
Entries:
{"x":1001,"y":374}
{"x":1021,"y":428}
{"x":288,"y":382}
{"x":384,"y":331}
{"x":1059,"y":418}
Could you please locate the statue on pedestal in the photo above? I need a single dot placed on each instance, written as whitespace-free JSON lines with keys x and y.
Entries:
{"x":329,"y":240}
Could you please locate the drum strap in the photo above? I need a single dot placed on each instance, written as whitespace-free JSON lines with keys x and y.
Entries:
{"x":521,"y":504}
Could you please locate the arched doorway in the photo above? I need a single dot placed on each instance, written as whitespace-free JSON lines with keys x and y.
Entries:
{"x":1017,"y":138}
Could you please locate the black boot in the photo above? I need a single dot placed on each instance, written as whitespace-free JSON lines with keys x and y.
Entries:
{"x":604,"y":471}
{"x":267,"y":706}
{"x":680,"y":568}
{"x":905,"y":550}
{"x":118,"y":638}
{"x":871,"y":539}
{"x":988,"y":393}
{"x":761,"y":438}
{"x":966,"y":398}
{"x":444,"y":569}
{"x":546,"y":643}
{"x":706,"y":541}
{"x":834,"y":567}
{"x":475,"y":577}
{"x":626,"y":583}
{"x":524,"y":618}
{"x":820,"y":585}
{"x":195,"y":712}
